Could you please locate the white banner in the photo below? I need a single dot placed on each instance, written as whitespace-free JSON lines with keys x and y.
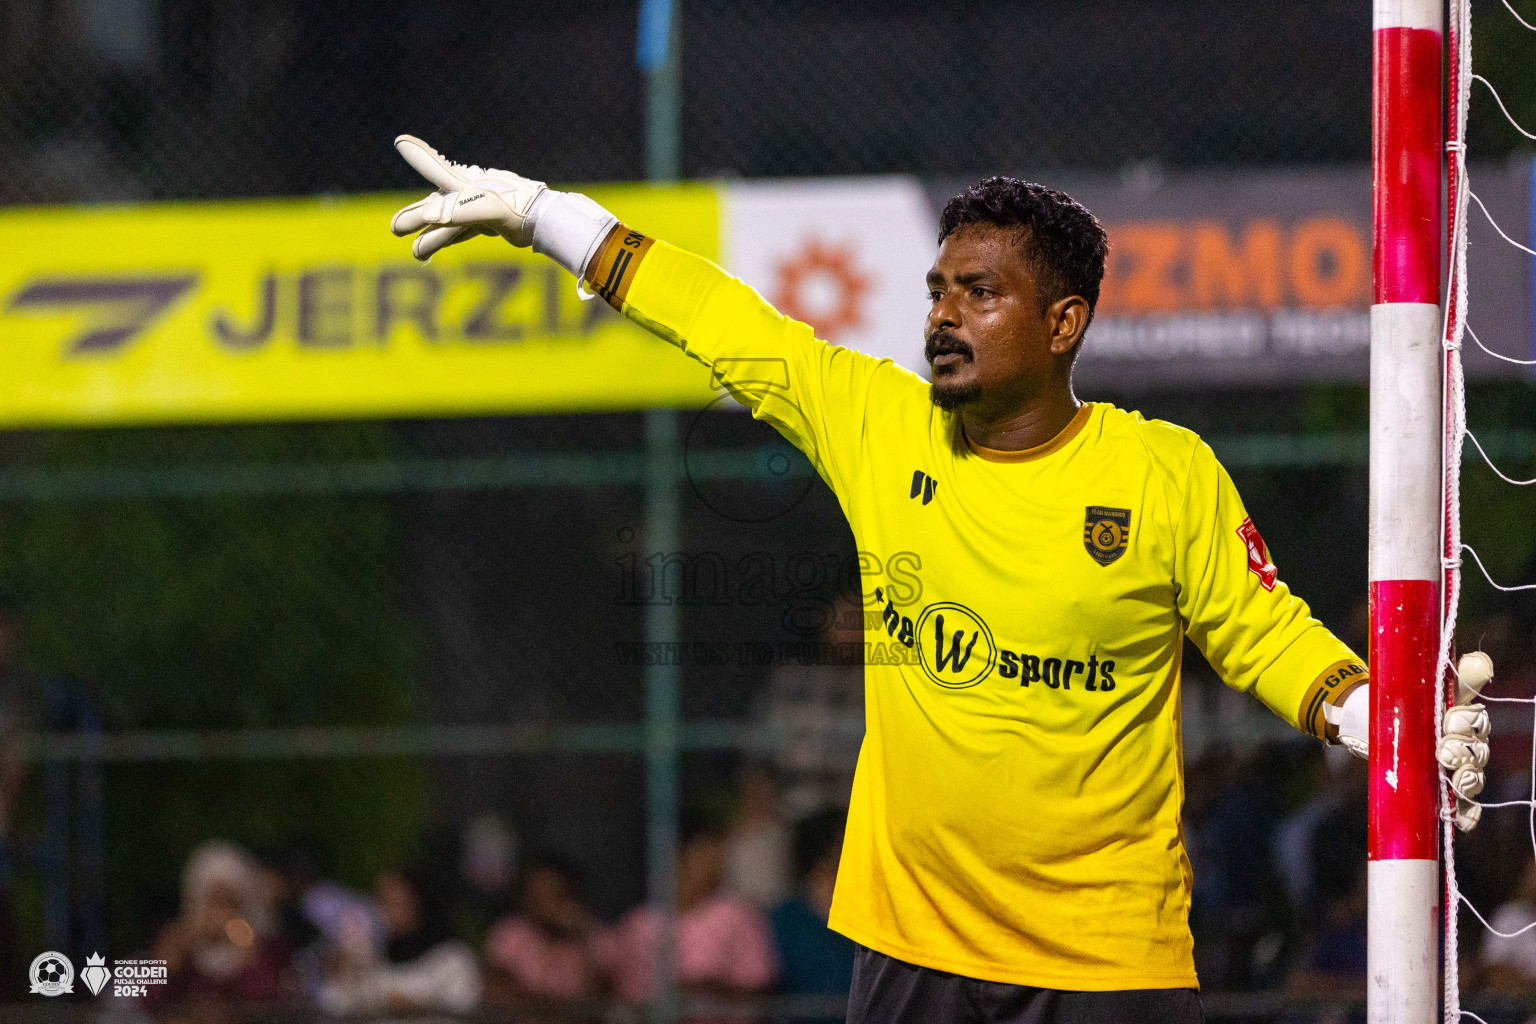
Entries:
{"x":847,"y":256}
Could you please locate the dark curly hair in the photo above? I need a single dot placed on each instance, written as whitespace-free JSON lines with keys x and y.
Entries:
{"x":1064,"y":244}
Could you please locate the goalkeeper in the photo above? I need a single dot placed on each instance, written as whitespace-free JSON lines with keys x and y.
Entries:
{"x":1014,"y":849}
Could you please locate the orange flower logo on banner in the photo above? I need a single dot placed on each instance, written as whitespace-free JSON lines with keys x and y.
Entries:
{"x":822,"y":286}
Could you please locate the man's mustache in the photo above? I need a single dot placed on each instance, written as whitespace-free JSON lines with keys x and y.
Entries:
{"x":941,"y":342}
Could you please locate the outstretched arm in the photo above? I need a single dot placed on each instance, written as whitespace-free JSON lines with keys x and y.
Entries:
{"x":1261,"y":637}
{"x":812,"y":392}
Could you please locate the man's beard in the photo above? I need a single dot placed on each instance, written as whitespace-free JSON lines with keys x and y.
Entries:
{"x":948,"y":395}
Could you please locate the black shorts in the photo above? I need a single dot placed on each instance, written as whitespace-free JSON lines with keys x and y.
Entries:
{"x":890,"y":991}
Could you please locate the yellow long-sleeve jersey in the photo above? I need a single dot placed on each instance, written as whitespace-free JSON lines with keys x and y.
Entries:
{"x":1016,"y":807}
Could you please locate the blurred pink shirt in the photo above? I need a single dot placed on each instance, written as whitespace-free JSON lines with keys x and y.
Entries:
{"x":721,"y":942}
{"x":545,"y":966}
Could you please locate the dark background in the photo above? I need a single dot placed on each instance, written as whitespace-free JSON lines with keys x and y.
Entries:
{"x":119,"y":99}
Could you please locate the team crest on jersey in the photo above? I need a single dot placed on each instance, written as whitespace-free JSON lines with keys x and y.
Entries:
{"x":1106,"y":532}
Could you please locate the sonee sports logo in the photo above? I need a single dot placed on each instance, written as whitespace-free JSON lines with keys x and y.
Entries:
{"x":52,"y":974}
{"x":96,"y":973}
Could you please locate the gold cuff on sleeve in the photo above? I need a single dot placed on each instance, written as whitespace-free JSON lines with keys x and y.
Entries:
{"x":1330,"y":687}
{"x":612,"y":271}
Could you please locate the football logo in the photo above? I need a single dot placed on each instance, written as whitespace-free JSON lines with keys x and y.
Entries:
{"x":1106,"y":532}
{"x":52,"y":975}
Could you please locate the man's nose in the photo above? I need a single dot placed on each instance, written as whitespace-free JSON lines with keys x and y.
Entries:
{"x":943,"y":316}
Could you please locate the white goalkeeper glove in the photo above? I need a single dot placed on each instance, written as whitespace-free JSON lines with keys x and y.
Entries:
{"x":565,"y":226}
{"x":1463,"y":747}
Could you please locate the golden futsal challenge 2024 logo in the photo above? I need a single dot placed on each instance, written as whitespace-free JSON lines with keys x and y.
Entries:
{"x":53,"y":974}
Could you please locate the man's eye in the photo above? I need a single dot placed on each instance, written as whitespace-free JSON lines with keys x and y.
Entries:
{"x":980,"y":292}
{"x":933,"y":296}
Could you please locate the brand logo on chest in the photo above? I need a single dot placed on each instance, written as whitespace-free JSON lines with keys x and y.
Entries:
{"x":924,"y":485}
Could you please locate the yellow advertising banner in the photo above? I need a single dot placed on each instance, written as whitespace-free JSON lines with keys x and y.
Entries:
{"x":311,"y":309}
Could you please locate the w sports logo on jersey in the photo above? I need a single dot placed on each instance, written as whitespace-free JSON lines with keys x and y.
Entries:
{"x":1106,"y":532}
{"x":954,"y":645}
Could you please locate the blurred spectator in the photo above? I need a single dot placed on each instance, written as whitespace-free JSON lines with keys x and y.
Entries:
{"x":421,"y":966}
{"x":330,"y":906}
{"x":487,"y":856}
{"x":723,"y":943}
{"x":1510,"y":958}
{"x":757,"y":850}
{"x":818,"y":708}
{"x":553,"y":946}
{"x":280,"y":874}
{"x":21,"y":711}
{"x":474,"y":860}
{"x":221,"y":952}
{"x":1230,"y":817}
{"x":1491,"y":858}
{"x":284,"y":874}
{"x":1334,"y":963}
{"x":1339,"y":780}
{"x":814,"y":960}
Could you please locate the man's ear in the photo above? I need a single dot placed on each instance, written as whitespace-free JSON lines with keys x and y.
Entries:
{"x":1069,"y":319}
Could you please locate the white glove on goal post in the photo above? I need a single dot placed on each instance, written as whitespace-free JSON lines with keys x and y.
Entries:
{"x":1463,"y":747}
{"x":565,"y":226}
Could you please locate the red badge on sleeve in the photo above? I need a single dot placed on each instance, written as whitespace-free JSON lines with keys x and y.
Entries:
{"x":1258,"y":555}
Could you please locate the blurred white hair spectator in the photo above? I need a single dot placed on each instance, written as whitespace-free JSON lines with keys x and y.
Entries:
{"x":757,"y":852}
{"x":221,"y":949}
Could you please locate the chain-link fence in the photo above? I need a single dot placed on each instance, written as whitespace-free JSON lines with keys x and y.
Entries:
{"x":181,"y":99}
{"x":393,"y":630}
{"x":367,"y":644}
